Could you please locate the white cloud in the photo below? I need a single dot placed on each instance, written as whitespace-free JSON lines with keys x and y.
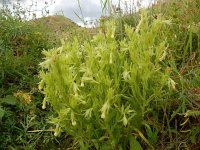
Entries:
{"x":89,"y":8}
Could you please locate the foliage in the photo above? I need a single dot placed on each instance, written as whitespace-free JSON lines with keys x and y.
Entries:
{"x":103,"y":92}
{"x":21,"y":44}
{"x":121,"y":21}
{"x":22,"y":122}
{"x":22,"y":117}
{"x":134,"y":85}
{"x":184,"y":33}
{"x":20,"y":52}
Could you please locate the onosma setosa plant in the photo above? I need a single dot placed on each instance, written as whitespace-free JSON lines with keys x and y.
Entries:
{"x":103,"y":89}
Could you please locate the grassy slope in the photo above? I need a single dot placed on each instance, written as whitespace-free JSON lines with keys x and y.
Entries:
{"x":62,"y":27}
{"x":57,"y":24}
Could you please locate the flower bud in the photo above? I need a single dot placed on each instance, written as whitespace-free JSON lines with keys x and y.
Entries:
{"x":104,"y":110}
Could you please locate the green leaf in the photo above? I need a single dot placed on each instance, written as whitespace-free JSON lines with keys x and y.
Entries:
{"x":9,"y":99}
{"x":2,"y":112}
{"x":134,"y":144}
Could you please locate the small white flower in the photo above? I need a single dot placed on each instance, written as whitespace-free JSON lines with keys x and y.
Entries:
{"x":126,"y":75}
{"x":172,"y":83}
{"x":111,"y":58}
{"x":104,"y":110}
{"x":163,"y":56}
{"x":73,"y":119}
{"x":88,"y":113}
{"x":57,"y":130}
{"x":41,"y":85}
{"x":44,"y":103}
{"x":125,"y":120}
{"x":82,"y":83}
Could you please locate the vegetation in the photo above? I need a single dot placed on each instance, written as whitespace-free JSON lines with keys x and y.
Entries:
{"x":102,"y":91}
{"x":21,"y":44}
{"x":135,"y":84}
{"x":20,"y":52}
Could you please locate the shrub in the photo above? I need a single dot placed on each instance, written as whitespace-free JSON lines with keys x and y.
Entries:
{"x":21,"y":44}
{"x":104,"y":92}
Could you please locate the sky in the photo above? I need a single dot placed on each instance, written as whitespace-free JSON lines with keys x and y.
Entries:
{"x":91,"y":9}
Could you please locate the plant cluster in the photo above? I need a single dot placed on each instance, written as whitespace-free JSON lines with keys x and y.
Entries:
{"x":135,"y":82}
{"x":105,"y":93}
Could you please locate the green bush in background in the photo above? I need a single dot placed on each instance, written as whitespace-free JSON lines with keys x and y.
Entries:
{"x":21,"y":43}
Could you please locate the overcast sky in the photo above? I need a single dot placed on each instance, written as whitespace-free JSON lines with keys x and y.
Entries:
{"x":90,"y":8}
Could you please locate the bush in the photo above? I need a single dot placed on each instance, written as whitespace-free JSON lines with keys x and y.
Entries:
{"x":104,"y":93}
{"x":21,"y":44}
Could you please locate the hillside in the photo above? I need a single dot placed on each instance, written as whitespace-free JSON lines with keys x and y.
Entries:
{"x":57,"y":23}
{"x":60,"y":26}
